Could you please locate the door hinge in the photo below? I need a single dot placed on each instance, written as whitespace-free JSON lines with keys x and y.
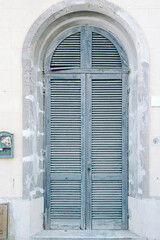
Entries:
{"x":44,"y":153}
{"x":44,"y":90}
{"x":128,"y":216}
{"x":128,"y":90}
{"x":42,"y":72}
{"x":45,"y":218}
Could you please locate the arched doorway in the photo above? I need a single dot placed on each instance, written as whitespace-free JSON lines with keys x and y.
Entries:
{"x":56,"y":20}
{"x":86,"y":126}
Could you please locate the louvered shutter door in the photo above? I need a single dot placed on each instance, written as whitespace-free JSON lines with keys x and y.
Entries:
{"x":107,"y":108}
{"x":65,"y":138}
{"x":88,"y":150}
{"x":106,"y":153}
{"x":67,"y":53}
{"x":104,"y":53}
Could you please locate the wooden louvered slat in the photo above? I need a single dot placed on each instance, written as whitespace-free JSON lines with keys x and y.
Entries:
{"x":67,"y":53}
{"x":104,"y":53}
{"x":106,"y":152}
{"x":65,"y":138}
{"x":107,"y":199}
{"x":70,"y":208}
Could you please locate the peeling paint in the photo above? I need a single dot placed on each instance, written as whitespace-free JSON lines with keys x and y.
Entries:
{"x":34,"y":192}
{"x":40,"y":133}
{"x":140,"y":191}
{"x":30,"y":97}
{"x":28,"y":159}
{"x":40,"y":84}
{"x":141,"y":174}
{"x":41,"y":111}
{"x":27,"y":133}
{"x":28,"y":181}
{"x":41,"y":159}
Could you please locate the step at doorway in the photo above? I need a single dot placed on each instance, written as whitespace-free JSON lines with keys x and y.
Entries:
{"x":86,"y":235}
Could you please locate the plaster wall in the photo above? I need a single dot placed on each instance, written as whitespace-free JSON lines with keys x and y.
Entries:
{"x":144,"y":217}
{"x":16,"y":18}
{"x":25,"y":218}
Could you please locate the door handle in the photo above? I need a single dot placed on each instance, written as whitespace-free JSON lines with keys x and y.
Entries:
{"x":90,"y":165}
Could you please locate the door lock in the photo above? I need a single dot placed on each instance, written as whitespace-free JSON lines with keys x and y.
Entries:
{"x":90,"y":165}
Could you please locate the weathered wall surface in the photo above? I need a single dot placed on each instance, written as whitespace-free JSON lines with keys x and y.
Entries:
{"x":25,"y":217}
{"x":16,"y":18}
{"x":144,"y":217}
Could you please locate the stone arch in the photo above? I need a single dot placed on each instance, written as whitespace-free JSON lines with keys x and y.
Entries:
{"x":55,"y":20}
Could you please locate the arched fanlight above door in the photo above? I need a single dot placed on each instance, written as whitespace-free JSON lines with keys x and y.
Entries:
{"x":104,"y":51}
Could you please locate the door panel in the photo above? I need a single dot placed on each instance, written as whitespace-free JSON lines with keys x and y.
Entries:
{"x":86,"y":126}
{"x":65,"y":152}
{"x":86,"y":152}
{"x":106,"y":152}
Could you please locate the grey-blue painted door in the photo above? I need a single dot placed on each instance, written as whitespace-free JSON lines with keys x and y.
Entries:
{"x":86,"y":134}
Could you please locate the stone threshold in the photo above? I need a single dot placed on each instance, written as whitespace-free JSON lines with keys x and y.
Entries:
{"x":86,"y":235}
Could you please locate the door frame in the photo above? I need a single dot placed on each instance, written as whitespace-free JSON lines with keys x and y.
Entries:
{"x":124,"y":77}
{"x":50,"y":23}
{"x":124,"y":73}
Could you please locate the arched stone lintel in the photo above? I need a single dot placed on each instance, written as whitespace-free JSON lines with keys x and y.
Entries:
{"x":52,"y":22}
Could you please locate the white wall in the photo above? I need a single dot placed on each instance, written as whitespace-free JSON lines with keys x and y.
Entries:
{"x":144,"y":217}
{"x":25,"y":218}
{"x":16,"y":17}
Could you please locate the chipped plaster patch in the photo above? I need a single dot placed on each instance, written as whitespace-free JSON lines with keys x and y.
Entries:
{"x":131,"y":179}
{"x":41,"y":159}
{"x":40,"y":84}
{"x":140,"y":191}
{"x":34,"y":192}
{"x":41,"y":171}
{"x":40,"y":133}
{"x":28,"y":158}
{"x":41,"y":111}
{"x":27,"y":133}
{"x":30,"y":97}
{"x":28,"y":181}
{"x":141,"y":174}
